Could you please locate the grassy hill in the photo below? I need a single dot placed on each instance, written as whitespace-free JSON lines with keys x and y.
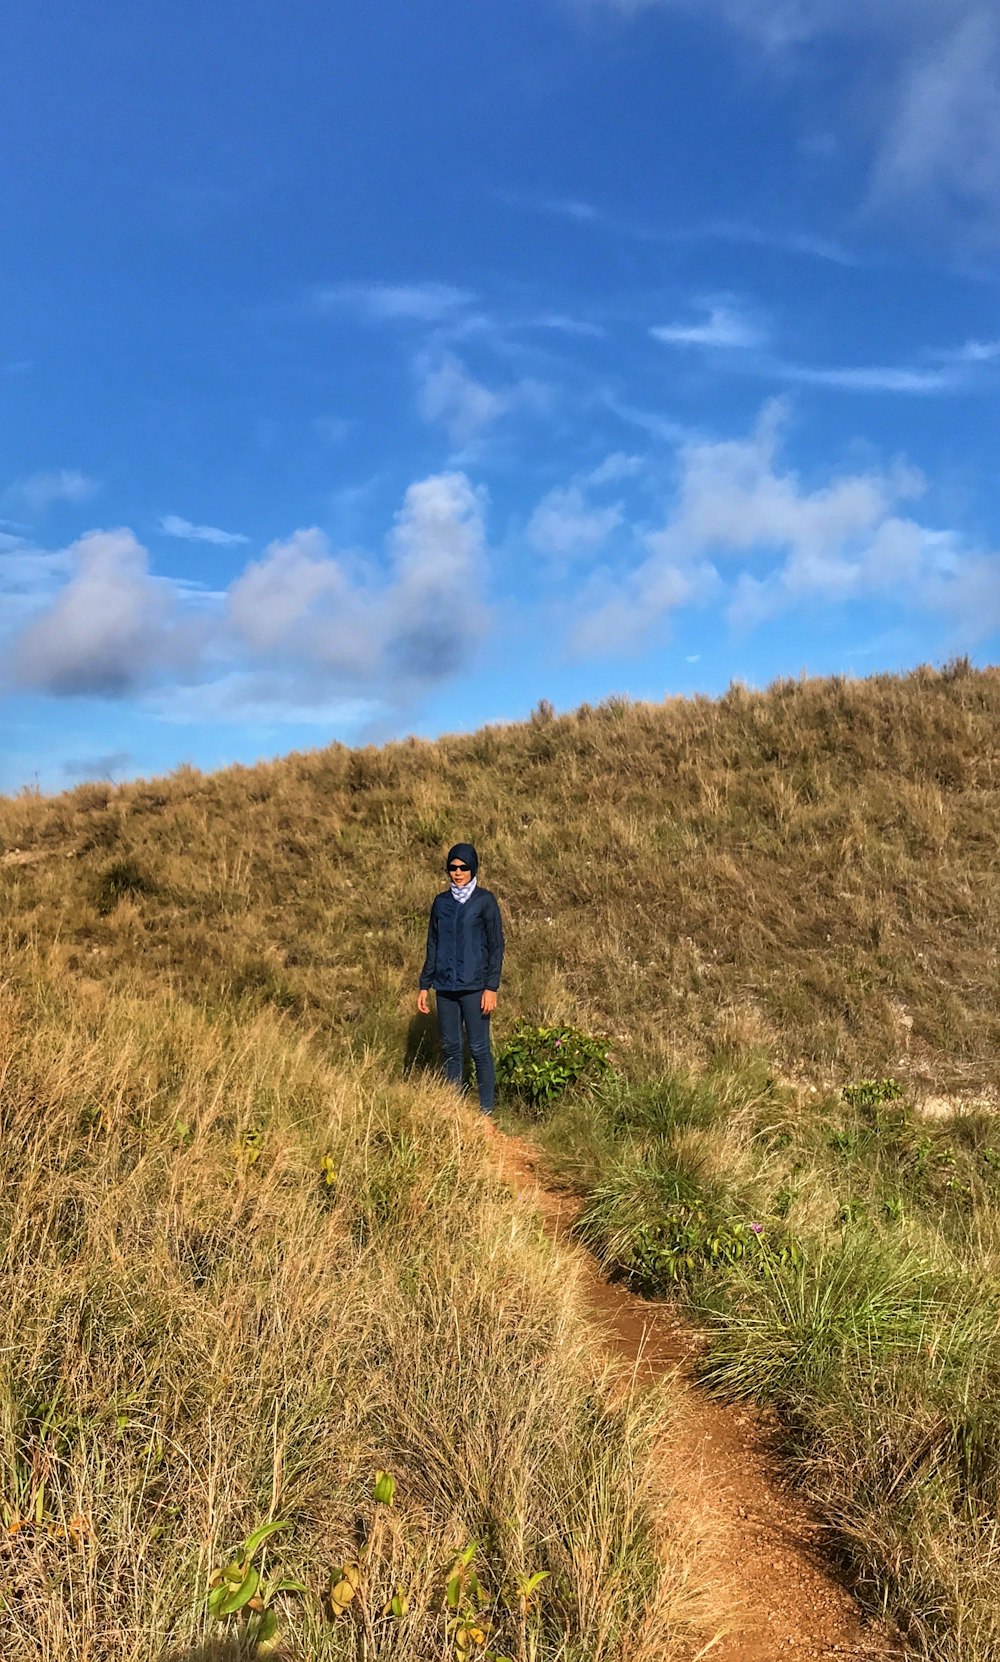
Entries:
{"x":246,"y":1265}
{"x":811,"y":870}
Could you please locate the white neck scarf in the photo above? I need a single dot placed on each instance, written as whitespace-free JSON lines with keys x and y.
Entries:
{"x":462,"y":894}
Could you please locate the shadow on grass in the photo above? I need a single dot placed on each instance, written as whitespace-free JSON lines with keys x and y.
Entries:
{"x":212,"y":1650}
{"x":423,"y":1047}
{"x":219,"y":1650}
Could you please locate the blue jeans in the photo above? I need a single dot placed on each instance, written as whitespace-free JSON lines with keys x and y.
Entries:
{"x":454,"y":1010}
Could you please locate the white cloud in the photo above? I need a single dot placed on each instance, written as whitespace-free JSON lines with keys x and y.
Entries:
{"x":723,"y":327}
{"x":973,"y":352}
{"x":393,"y":302}
{"x":261,"y":699}
{"x":565,"y":325}
{"x":29,"y":579}
{"x":785,"y":23}
{"x":935,"y":118}
{"x":564,"y":523}
{"x":300,"y":605}
{"x":614,"y":468}
{"x":109,"y":629}
{"x":439,"y":554}
{"x":942,"y":139}
{"x":873,"y":378}
{"x":453,"y":396}
{"x":39,"y":491}
{"x":466,"y":407}
{"x":791,"y":545}
{"x":301,"y":628}
{"x":172,"y":525}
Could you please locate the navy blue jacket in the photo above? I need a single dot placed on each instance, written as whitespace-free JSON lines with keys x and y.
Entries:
{"x":464,"y":944}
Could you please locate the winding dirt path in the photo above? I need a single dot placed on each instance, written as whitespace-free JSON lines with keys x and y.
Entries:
{"x":764,"y":1542}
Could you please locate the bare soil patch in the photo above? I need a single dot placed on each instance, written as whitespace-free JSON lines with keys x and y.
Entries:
{"x":781,"y":1597}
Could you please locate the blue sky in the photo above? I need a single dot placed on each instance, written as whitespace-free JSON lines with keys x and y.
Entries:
{"x":377,"y":370}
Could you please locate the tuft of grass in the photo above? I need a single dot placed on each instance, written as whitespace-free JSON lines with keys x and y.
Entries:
{"x":123,"y":879}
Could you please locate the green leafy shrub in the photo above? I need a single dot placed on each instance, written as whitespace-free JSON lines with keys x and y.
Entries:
{"x":871,"y":1093}
{"x":691,"y":1240}
{"x":237,"y":1590}
{"x":539,"y":1063}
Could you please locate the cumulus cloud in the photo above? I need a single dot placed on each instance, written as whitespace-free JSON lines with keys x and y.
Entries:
{"x":747,"y":530}
{"x":302,"y":605}
{"x":39,"y":491}
{"x":302,"y":627}
{"x":109,"y":629}
{"x":173,"y":525}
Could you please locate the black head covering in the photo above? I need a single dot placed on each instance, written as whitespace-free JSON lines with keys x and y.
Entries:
{"x":466,"y":852}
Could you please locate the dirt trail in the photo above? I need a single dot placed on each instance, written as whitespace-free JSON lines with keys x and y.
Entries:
{"x":783,"y":1600}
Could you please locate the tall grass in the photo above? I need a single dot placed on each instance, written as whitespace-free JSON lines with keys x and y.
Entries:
{"x":203,"y":1326}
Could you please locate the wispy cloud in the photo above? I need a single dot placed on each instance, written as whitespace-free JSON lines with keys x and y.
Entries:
{"x":173,"y":525}
{"x":873,"y":378}
{"x":784,"y":239}
{"x":261,"y":699}
{"x":723,"y":327}
{"x":565,"y":523}
{"x":560,"y":207}
{"x":934,"y":131}
{"x":565,"y":325}
{"x":450,"y":393}
{"x":426,"y":302}
{"x":39,"y":491}
{"x":973,"y":352}
{"x":942,"y":137}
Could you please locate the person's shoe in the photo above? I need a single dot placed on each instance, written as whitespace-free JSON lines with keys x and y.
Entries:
{"x":488,"y":1126}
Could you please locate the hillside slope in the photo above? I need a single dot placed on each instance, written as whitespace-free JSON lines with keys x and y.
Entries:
{"x":811,"y":869}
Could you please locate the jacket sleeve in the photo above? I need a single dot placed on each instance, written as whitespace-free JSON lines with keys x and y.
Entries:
{"x":430,"y":958}
{"x":494,"y":946}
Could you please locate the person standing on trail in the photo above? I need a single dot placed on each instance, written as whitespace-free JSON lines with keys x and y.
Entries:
{"x":463,"y":964}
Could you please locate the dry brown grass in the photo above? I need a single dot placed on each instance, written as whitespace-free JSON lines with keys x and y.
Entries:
{"x":812,"y":869}
{"x":197,"y":1333}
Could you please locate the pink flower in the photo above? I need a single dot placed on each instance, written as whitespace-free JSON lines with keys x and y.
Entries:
{"x":758,"y":1228}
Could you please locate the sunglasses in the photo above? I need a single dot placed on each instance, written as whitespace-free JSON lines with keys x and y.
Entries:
{"x":458,"y":868}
